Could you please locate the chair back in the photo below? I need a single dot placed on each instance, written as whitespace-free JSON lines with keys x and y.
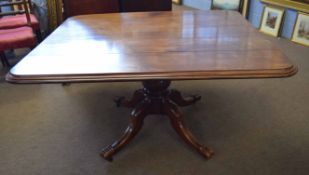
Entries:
{"x":20,"y":7}
{"x":144,"y":6}
{"x":16,"y":7}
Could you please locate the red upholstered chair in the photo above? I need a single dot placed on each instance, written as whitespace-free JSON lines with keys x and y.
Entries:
{"x":16,"y":37}
{"x":18,"y":19}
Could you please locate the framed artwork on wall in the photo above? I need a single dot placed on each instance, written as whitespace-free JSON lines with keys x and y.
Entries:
{"x":301,"y":29}
{"x":226,"y":5}
{"x":245,"y":8}
{"x":271,"y":20}
{"x":179,"y":2}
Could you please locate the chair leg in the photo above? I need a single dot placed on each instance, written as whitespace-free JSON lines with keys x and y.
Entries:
{"x":4,"y":60}
{"x":39,"y":35}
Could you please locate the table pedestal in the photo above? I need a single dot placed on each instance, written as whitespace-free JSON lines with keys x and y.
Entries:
{"x":156,"y":98}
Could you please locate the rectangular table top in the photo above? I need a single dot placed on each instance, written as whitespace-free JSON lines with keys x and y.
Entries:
{"x":152,"y":45}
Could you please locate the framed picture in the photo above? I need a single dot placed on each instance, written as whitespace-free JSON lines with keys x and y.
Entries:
{"x":226,"y":5}
{"x":245,"y":8}
{"x":301,"y":29}
{"x":271,"y":21}
{"x":179,"y":2}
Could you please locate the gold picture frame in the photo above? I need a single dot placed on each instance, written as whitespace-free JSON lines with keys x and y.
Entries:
{"x":291,"y":4}
{"x":301,"y":29}
{"x":272,"y":20}
{"x":245,"y":8}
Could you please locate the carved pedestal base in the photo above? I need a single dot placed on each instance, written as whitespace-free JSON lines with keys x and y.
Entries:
{"x":155,"y":98}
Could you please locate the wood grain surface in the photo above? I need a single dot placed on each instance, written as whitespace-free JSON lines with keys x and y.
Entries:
{"x":177,"y":45}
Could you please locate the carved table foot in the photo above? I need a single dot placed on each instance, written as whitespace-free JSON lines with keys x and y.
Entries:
{"x":156,"y":98}
{"x":177,"y":98}
{"x":177,"y":122}
{"x":136,"y":121}
{"x":138,"y":96}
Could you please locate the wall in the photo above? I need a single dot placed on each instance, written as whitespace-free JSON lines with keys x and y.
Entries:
{"x":289,"y":22}
{"x":199,"y":4}
{"x":255,"y":14}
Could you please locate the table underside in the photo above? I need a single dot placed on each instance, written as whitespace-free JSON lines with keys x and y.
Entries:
{"x":156,"y":98}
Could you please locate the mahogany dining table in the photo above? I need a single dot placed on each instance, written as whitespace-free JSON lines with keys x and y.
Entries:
{"x":154,"y":48}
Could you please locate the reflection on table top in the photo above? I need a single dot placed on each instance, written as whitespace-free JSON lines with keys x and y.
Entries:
{"x":152,"y":45}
